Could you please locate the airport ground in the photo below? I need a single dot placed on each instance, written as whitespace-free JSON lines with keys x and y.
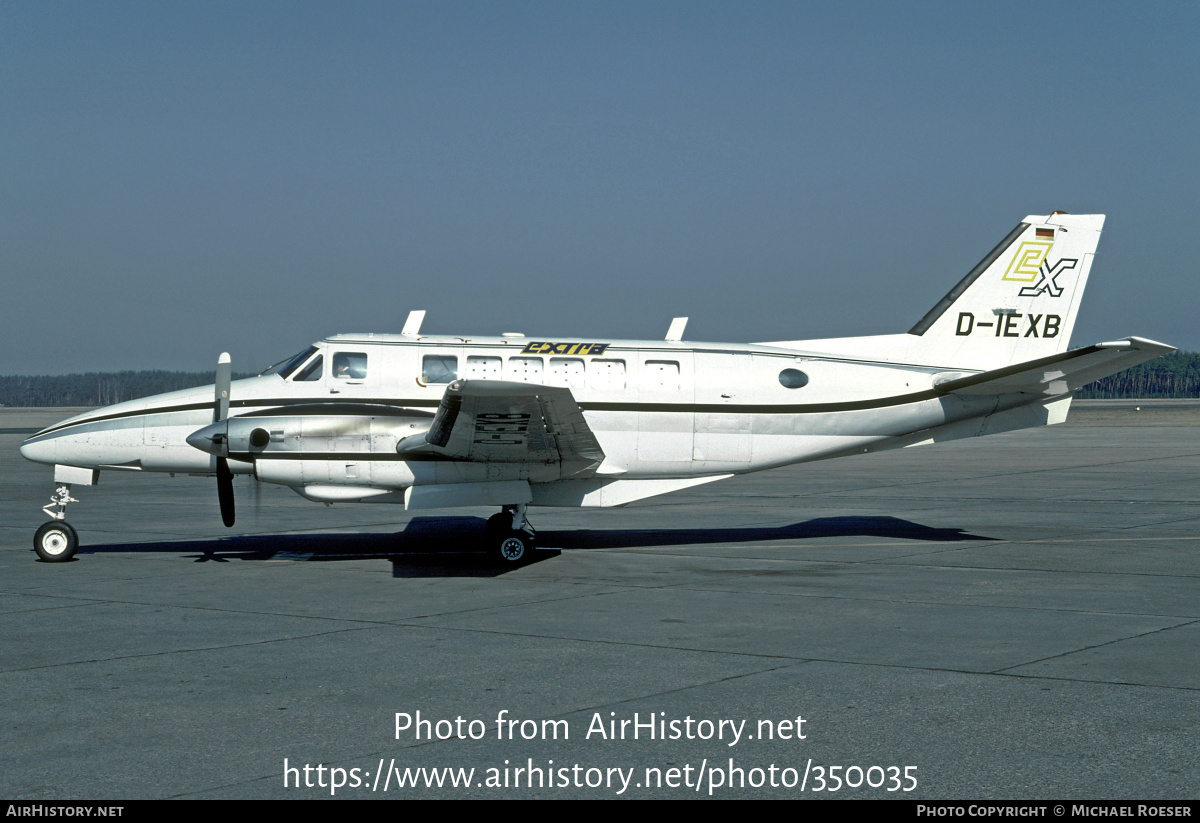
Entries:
{"x":1013,"y":617}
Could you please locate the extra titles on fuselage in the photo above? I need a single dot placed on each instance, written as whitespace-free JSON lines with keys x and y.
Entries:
{"x":586,"y":349}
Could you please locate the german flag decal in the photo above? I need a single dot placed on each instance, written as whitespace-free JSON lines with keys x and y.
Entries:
{"x":1047,"y":234}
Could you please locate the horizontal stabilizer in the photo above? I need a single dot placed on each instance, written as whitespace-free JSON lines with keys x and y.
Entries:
{"x":1057,"y":374}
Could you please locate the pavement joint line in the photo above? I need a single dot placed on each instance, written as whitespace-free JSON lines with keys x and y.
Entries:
{"x":509,"y":605}
{"x":1156,"y":524}
{"x":679,"y":689}
{"x":58,"y":607}
{"x":1007,"y":669}
{"x":957,"y":605}
{"x":1171,"y":576}
{"x":1002,"y":672}
{"x":167,"y":652}
{"x":613,"y":588}
{"x":798,"y":659}
{"x":366,"y":623}
{"x":1063,"y":679}
{"x":880,"y":561}
{"x":1110,"y":539}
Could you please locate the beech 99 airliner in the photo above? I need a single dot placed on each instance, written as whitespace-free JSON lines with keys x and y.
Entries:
{"x":432,"y":422}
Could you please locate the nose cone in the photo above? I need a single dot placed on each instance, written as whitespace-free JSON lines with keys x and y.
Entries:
{"x":209,"y":439}
{"x":40,"y":450}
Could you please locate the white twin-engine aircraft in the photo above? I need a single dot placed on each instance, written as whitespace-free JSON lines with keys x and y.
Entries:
{"x":435,"y":422}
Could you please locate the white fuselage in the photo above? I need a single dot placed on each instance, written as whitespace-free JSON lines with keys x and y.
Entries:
{"x":659,"y":410}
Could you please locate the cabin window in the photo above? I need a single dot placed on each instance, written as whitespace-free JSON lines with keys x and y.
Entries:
{"x":793,"y":379}
{"x":661,"y":375}
{"x":524,"y":369}
{"x":439,"y":368}
{"x":350,"y":365}
{"x":311,"y":372}
{"x":484,"y":368}
{"x":567,"y":371}
{"x":606,"y":375}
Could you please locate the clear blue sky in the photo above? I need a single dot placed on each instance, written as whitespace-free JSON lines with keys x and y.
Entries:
{"x":178,"y":179}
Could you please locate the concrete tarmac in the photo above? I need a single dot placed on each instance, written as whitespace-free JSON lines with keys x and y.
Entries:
{"x":1012,"y":617}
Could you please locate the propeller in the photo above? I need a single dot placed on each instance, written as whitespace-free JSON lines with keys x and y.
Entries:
{"x":220,"y":414}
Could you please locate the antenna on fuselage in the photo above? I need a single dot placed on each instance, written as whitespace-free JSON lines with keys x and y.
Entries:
{"x":412,"y":326}
{"x":675,"y":333}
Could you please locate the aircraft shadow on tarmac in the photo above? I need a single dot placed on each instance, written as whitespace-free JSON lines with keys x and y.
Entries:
{"x":449,"y":546}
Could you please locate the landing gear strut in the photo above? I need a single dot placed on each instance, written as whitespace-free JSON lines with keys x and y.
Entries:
{"x":56,"y":541}
{"x":509,"y":535}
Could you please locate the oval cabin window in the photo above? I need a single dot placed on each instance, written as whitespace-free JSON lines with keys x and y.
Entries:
{"x":793,"y":378}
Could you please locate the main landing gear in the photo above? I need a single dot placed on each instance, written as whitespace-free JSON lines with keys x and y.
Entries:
{"x":510,"y":538}
{"x":56,"y":541}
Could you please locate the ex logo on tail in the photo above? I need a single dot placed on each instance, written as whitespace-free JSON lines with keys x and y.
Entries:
{"x":1030,"y":262}
{"x":1047,"y":283}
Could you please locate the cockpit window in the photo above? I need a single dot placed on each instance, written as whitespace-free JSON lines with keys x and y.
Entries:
{"x":311,"y":372}
{"x":284,"y":368}
{"x":350,"y":365}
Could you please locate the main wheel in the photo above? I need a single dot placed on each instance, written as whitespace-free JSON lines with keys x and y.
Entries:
{"x":513,"y":548}
{"x":55,"y":541}
{"x":497,"y":525}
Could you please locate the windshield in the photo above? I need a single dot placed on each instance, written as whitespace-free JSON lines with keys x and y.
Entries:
{"x":285,"y":367}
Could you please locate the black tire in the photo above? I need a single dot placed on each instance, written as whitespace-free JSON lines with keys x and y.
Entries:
{"x":513,"y":548}
{"x":497,"y":525}
{"x":55,"y":542}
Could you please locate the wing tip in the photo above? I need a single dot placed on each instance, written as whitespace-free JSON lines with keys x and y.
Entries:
{"x":1138,"y":344}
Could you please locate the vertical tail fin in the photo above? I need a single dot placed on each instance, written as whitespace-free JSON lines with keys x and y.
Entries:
{"x":1020,"y":302}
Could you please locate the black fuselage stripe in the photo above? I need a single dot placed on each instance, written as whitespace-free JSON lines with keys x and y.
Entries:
{"x":362,"y":457}
{"x":694,"y":408}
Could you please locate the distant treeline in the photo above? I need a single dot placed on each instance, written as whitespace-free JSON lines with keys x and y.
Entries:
{"x":96,"y":388}
{"x":1175,"y":375}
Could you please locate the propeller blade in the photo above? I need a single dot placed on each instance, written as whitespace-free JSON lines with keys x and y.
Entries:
{"x":225,"y":490}
{"x":224,"y":378}
{"x":220,"y":414}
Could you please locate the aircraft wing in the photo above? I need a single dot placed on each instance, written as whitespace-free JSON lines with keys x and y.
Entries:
{"x":494,"y":421}
{"x":1056,"y":374}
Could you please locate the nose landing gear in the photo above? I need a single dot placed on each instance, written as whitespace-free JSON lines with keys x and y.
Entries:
{"x":57,"y":541}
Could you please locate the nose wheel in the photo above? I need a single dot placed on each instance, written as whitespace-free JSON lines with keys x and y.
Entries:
{"x":55,"y":541}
